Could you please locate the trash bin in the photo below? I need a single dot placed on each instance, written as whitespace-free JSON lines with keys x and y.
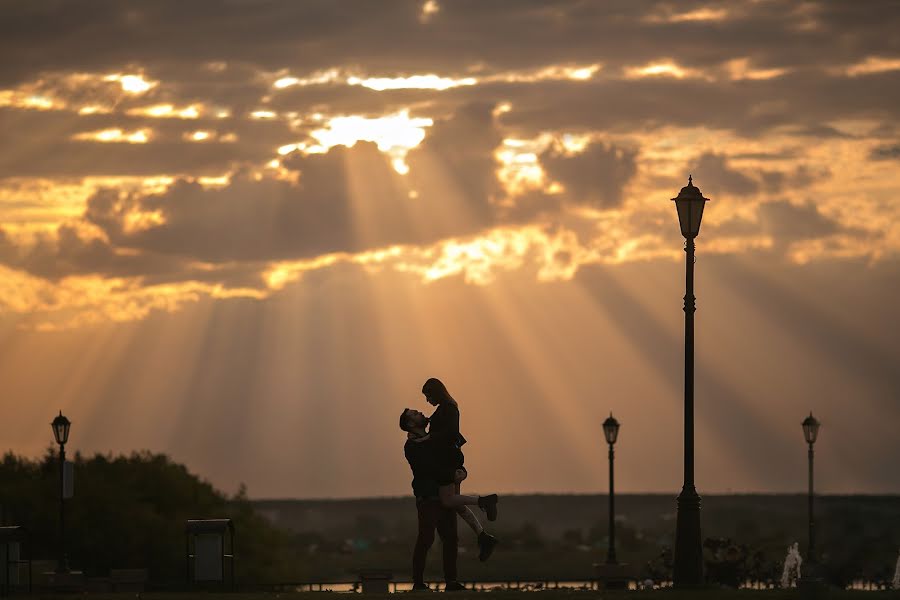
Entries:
{"x":375,"y":581}
{"x":209,"y":559}
{"x":13,"y":541}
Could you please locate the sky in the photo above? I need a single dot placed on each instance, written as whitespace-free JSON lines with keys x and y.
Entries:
{"x":245,"y":232}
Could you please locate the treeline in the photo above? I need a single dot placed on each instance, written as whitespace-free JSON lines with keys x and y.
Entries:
{"x":130,"y":512}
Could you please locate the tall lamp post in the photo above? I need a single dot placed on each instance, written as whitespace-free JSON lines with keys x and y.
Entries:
{"x":810,"y":433}
{"x":688,"y":569}
{"x":61,"y":427}
{"x":611,"y":432}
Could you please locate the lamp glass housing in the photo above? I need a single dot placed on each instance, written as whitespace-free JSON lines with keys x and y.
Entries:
{"x":810,"y":429}
{"x":690,"y":203}
{"x":611,"y":429}
{"x":61,"y":427}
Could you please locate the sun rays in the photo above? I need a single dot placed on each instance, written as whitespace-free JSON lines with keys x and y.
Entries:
{"x":250,"y":250}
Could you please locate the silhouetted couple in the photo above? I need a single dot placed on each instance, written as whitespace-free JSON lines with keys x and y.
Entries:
{"x":434,"y":451}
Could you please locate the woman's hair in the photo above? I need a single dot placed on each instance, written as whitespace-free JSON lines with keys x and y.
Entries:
{"x":435,"y":388}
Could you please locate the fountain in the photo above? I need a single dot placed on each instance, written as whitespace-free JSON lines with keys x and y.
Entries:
{"x":791,"y":574}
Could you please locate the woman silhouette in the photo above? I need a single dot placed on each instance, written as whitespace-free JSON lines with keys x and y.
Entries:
{"x":444,"y":431}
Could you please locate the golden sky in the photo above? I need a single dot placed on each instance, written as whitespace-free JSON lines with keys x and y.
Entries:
{"x":244,"y":233}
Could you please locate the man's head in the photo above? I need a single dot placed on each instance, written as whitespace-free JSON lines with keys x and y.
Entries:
{"x":412,"y":420}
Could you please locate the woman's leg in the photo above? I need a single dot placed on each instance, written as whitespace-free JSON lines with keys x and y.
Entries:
{"x":465,"y":512}
{"x":451,"y":499}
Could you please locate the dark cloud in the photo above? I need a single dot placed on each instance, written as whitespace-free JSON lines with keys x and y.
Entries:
{"x":800,"y":177}
{"x":69,"y":251}
{"x":748,"y":108}
{"x":42,"y":144}
{"x":594,"y":177}
{"x":391,"y":38}
{"x":785,"y":222}
{"x":268,"y":219}
{"x":454,"y":168}
{"x":713,"y":172}
{"x":888,"y":152}
{"x":225,"y":54}
{"x":788,"y":222}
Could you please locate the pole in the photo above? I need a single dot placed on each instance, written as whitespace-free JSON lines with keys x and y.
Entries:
{"x":63,"y":566}
{"x":812,"y":527}
{"x":688,"y":570}
{"x":611,"y":553}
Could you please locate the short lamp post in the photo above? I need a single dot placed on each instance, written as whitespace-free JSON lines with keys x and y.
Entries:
{"x":611,"y":432}
{"x":61,"y":426}
{"x":810,"y":433}
{"x":688,"y":568}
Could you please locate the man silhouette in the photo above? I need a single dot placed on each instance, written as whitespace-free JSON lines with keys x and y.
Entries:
{"x":431,"y":513}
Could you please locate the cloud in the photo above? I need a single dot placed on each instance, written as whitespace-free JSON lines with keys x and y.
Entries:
{"x":346,"y":200}
{"x":887,"y":152}
{"x":713,"y":172}
{"x":787,"y":222}
{"x":595,"y":176}
{"x":44,"y":144}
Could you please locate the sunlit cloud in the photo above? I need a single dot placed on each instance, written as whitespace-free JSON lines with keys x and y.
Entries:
{"x":199,"y":135}
{"x":28,"y":100}
{"x":116,"y":135}
{"x":519,"y":169}
{"x":395,"y":134}
{"x":168,"y":111}
{"x":429,"y":9}
{"x":316,"y":78}
{"x":871,"y":65}
{"x":80,"y":301}
{"x":286,"y":82}
{"x":280,"y":274}
{"x":553,"y":255}
{"x":94,"y":109}
{"x":665,"y":68}
{"x":422,"y":82}
{"x":133,"y":84}
{"x":740,"y":68}
{"x":549,"y":73}
{"x":704,"y":14}
{"x":217,"y":181}
{"x":86,"y":93}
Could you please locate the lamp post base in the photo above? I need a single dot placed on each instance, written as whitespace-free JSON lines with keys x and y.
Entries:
{"x":688,"y":569}
{"x":812,"y":578}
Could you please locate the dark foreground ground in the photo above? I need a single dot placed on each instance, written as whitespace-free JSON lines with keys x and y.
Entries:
{"x":560,"y":537}
{"x":509,"y":595}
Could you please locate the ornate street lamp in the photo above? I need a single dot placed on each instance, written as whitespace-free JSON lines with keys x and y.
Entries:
{"x":61,"y":426}
{"x":611,"y":432}
{"x":810,"y":433}
{"x":688,"y":569}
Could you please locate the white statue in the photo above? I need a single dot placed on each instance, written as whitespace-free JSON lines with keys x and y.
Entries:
{"x":791,"y":574}
{"x":896,"y":582}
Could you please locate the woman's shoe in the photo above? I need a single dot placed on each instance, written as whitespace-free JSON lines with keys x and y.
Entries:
{"x":486,"y":544}
{"x":489,"y":505}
